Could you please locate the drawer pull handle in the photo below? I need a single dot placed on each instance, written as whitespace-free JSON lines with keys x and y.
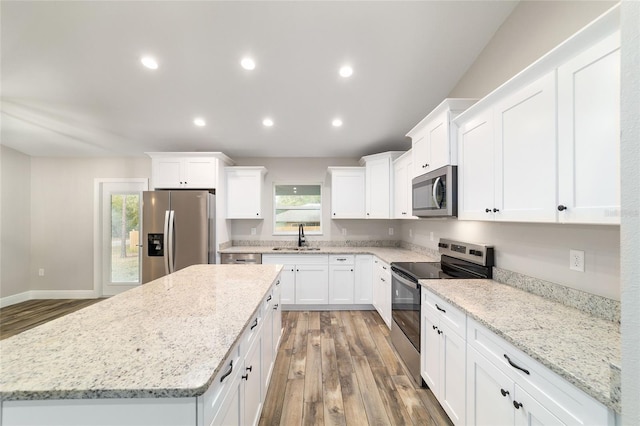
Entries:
{"x":511,"y":363}
{"x":442,"y":310}
{"x":278,"y":282}
{"x":275,"y":307}
{"x":384,"y":267}
{"x":255,"y":324}
{"x":517,"y":404}
{"x":249,"y":368}
{"x":341,"y":259}
{"x":269,"y":298}
{"x":245,"y":377}
{"x":504,"y":392}
{"x":225,"y":375}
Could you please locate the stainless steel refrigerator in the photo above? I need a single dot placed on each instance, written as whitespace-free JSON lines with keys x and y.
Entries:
{"x":179,"y":230}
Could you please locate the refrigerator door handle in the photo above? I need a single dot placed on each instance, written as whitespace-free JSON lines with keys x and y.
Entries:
{"x":166,"y":242}
{"x":172,"y":237}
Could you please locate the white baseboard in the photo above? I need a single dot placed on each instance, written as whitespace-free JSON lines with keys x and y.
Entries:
{"x":46,"y":294}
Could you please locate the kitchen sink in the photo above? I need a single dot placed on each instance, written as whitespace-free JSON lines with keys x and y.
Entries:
{"x":297,"y":248}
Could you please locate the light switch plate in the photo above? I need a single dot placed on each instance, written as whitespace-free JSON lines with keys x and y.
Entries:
{"x":576,"y":260}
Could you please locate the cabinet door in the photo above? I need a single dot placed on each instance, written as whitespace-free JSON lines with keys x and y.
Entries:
{"x":167,"y":173}
{"x":277,"y":320}
{"x":312,"y":282}
{"x":489,"y":393}
{"x":385,"y":297}
{"x":430,"y":348}
{"x":288,"y":285}
{"x":363,"y":292}
{"x":530,"y":412}
{"x":400,"y":189}
{"x":229,"y":413}
{"x":378,"y":189}
{"x":348,"y":193}
{"x":589,"y":135}
{"x":341,"y":284}
{"x":420,"y":149}
{"x":252,"y":383}
{"x":525,"y":153}
{"x":475,"y":170}
{"x":438,"y":142}
{"x":452,"y":374}
{"x":244,"y":194}
{"x":267,"y":347}
{"x":199,"y":173}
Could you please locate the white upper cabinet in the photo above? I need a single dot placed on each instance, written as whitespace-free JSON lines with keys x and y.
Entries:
{"x":188,"y":170}
{"x":433,"y":140}
{"x":402,"y":175}
{"x":347,"y":192}
{"x":379,"y":184}
{"x":589,"y":135}
{"x":544,"y":146}
{"x":244,"y":192}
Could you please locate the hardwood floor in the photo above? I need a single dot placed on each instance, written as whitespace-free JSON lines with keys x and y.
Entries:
{"x":339,"y":368}
{"x":17,"y":318}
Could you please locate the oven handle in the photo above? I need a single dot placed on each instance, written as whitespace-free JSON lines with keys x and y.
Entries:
{"x":403,"y":280}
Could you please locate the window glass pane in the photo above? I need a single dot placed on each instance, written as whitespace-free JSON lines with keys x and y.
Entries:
{"x":125,"y":232}
{"x":296,"y":205}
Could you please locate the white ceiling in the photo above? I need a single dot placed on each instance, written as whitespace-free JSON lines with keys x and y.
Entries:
{"x":72,"y":83}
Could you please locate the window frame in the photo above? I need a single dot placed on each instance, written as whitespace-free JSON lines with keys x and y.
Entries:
{"x":274,"y":208}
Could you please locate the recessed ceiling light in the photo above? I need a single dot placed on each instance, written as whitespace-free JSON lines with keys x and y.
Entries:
{"x":267,"y":122}
{"x":346,"y":71}
{"x":149,"y":62}
{"x":198,"y":121}
{"x":336,"y":122}
{"x":248,"y":63}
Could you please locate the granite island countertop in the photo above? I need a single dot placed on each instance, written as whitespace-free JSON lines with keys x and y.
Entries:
{"x":166,"y":338}
{"x":577,"y":346}
{"x":387,"y":254}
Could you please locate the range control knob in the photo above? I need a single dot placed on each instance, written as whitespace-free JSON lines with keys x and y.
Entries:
{"x":475,"y":253}
{"x":443,"y":245}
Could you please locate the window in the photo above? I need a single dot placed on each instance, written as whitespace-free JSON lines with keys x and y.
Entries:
{"x":297,"y":205}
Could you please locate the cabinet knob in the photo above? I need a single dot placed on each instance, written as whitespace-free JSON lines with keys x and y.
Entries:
{"x":517,"y":404}
{"x":434,"y":327}
{"x":439,"y":331}
{"x":487,"y":210}
{"x":257,"y":214}
{"x":496,"y":210}
{"x":504,"y":392}
{"x":334,"y":214}
{"x":367,"y":214}
{"x":562,"y":208}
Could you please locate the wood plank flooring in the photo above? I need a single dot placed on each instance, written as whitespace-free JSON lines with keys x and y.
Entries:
{"x":17,"y":318}
{"x":340,"y":368}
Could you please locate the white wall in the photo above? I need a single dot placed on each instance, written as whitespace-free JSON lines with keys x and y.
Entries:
{"x":306,"y":170}
{"x":62,"y":216}
{"x":532,"y":29}
{"x":630,"y":227}
{"x":16,"y":220}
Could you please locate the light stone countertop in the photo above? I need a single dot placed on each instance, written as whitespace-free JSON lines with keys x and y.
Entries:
{"x":166,"y":338}
{"x":387,"y":254}
{"x":577,"y":346}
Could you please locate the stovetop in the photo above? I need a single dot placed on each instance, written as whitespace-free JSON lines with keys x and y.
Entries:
{"x":421,"y":270}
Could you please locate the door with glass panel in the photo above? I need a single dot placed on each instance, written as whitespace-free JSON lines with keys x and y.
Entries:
{"x":121,"y":220}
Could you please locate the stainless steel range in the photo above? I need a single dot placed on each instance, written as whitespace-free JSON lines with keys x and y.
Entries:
{"x":458,"y":260}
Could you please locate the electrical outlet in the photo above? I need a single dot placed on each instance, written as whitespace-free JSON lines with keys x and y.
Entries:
{"x":390,"y":231}
{"x":431,"y":236}
{"x":41,"y":272}
{"x":576,"y":260}
{"x":253,"y":231}
{"x":344,"y":231}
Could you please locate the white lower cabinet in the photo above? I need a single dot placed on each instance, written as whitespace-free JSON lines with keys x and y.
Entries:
{"x":507,"y":387}
{"x":443,"y":350}
{"x":382,"y":290}
{"x":342,"y":279}
{"x":253,"y":392}
{"x":305,"y":278}
{"x":364,"y":279}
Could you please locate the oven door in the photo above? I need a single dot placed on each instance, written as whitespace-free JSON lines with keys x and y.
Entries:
{"x":434,"y":194}
{"x":405,"y":307}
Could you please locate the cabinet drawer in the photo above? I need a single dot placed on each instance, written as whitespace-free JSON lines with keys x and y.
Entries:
{"x":453,"y":317}
{"x":341,"y":259}
{"x":253,"y":328}
{"x":295,"y":259}
{"x":561,"y":398}
{"x":213,"y":397}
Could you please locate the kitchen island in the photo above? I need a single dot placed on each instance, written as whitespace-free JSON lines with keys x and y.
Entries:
{"x":147,"y":355}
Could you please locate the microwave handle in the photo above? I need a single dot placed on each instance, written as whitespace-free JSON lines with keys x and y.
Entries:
{"x":435,"y":190}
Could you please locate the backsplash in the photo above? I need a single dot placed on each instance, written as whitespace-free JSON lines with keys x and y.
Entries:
{"x":292,"y":243}
{"x":420,"y":249}
{"x":599,"y":306}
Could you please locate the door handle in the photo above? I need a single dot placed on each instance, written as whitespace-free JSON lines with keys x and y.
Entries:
{"x":172,"y":255}
{"x":165,"y":241}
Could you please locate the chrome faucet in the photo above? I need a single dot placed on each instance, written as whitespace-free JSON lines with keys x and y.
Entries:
{"x":301,"y":240}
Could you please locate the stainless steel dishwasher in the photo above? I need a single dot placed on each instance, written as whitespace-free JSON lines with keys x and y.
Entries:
{"x":241,"y":258}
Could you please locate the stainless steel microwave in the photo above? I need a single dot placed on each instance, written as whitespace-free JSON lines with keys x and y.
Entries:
{"x":435,"y":194}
